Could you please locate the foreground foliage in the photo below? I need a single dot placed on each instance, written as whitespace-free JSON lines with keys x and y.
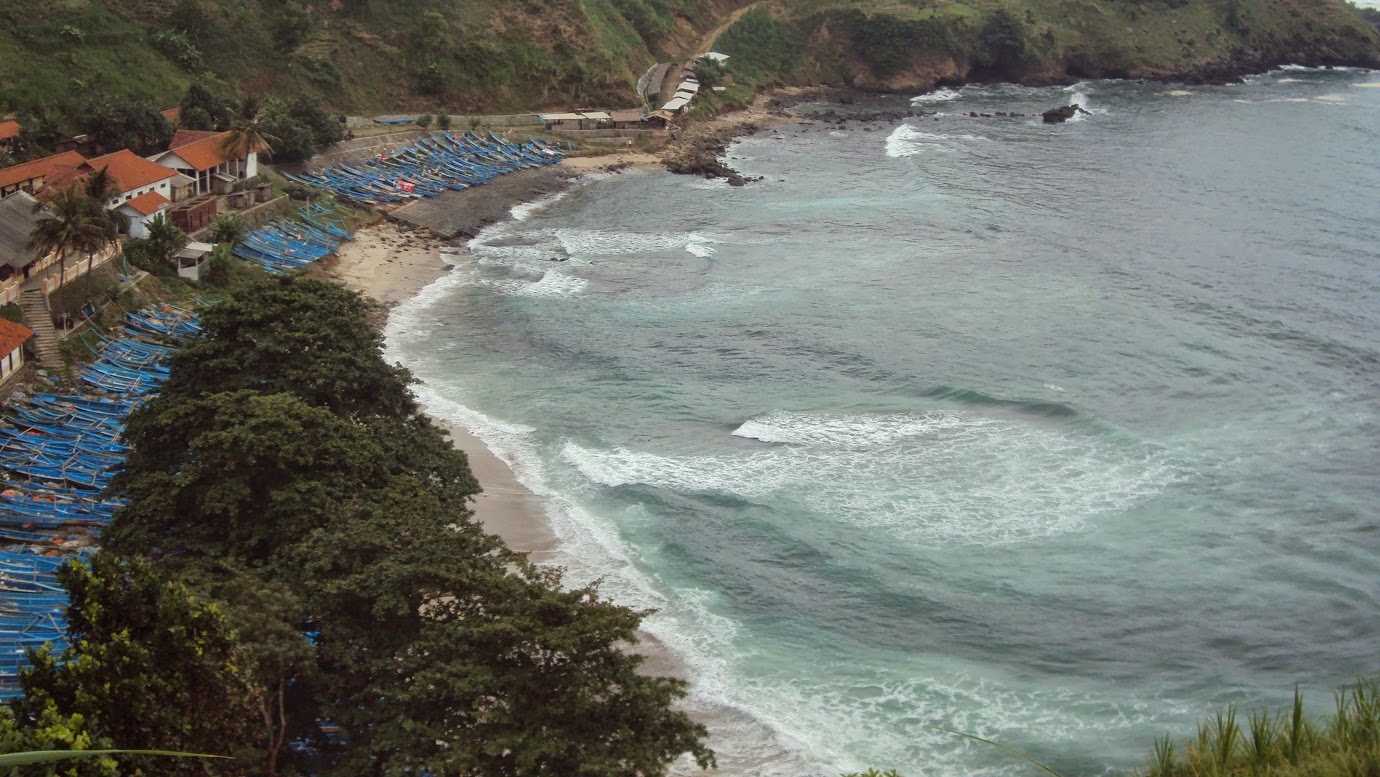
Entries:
{"x":1286,"y":743}
{"x":312,"y":556}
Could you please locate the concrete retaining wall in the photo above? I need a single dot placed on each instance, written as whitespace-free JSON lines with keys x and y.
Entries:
{"x":253,"y":217}
{"x":265,"y":212}
{"x":456,"y":121}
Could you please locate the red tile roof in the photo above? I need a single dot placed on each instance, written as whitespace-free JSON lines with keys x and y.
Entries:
{"x":148,"y":203}
{"x":12,"y":336}
{"x":130,"y":170}
{"x":47,"y":167}
{"x":184,"y":136}
{"x":201,"y":153}
{"x":8,"y":129}
{"x":173,"y":115}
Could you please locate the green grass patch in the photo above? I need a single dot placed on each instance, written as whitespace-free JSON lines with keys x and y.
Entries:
{"x":1281,"y":743}
{"x":762,"y":49}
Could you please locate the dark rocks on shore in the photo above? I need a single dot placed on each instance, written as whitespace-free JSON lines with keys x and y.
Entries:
{"x":1062,"y":114}
{"x":700,"y":155}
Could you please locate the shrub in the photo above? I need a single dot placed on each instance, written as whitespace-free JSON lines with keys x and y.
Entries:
{"x":324,"y":128}
{"x":430,"y":79}
{"x":175,"y":45}
{"x":709,"y":72}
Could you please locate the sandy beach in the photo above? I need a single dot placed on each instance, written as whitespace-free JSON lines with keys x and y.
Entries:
{"x":390,"y":262}
{"x":388,"y":265}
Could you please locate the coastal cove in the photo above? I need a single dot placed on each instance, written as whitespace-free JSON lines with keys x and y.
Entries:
{"x":947,"y":421}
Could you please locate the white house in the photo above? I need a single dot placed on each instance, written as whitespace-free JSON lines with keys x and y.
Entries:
{"x":141,"y":209}
{"x":201,"y":156}
{"x":12,"y":339}
{"x":136,"y":179}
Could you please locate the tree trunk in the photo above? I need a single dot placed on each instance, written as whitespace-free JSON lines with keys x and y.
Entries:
{"x":282,"y":728}
{"x":266,"y":708}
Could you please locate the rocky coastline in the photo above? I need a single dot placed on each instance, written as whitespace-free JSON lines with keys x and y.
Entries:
{"x":698,"y":149}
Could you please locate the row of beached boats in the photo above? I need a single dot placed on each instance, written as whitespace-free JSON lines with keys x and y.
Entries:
{"x":429,"y":165}
{"x":289,"y":244}
{"x":58,"y":453}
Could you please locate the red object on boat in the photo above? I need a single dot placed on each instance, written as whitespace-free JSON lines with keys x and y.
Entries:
{"x":406,"y":186}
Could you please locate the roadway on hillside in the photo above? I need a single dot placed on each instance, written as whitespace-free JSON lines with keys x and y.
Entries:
{"x":705,"y":45}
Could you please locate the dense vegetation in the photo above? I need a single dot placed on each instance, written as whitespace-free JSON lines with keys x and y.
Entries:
{"x":472,"y":56}
{"x":355,"y":55}
{"x":914,"y":45}
{"x":299,"y":563}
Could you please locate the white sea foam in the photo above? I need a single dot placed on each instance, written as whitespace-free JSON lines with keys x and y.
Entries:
{"x":699,"y":245}
{"x":906,"y":140}
{"x":937,"y":96}
{"x":911,"y":475}
{"x":1077,"y":97}
{"x":524,"y":211}
{"x":584,"y":243}
{"x":553,"y":283}
{"x":1307,"y":69}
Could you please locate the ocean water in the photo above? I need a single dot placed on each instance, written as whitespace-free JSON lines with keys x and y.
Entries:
{"x":1064,"y":436}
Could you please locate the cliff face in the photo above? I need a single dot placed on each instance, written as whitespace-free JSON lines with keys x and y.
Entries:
{"x":518,"y":55}
{"x":913,"y":47}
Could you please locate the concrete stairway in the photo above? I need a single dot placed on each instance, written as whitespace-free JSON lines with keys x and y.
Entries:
{"x":38,"y":317}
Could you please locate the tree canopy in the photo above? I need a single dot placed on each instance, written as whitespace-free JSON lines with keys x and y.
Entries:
{"x":150,"y":665}
{"x":286,"y":476}
{"x":137,"y":125}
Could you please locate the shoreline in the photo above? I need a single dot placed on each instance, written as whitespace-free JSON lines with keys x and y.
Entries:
{"x":390,"y":263}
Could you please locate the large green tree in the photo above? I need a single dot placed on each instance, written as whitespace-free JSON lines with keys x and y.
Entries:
{"x":203,"y":108}
{"x":238,"y":474}
{"x":152,"y":665}
{"x":299,"y":336}
{"x":137,"y":125}
{"x":286,"y":470}
{"x":483,"y":664}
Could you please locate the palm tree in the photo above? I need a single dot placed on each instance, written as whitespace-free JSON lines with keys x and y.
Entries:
{"x":75,"y":222}
{"x":248,"y":132}
{"x":101,"y":186}
{"x":165,"y":239}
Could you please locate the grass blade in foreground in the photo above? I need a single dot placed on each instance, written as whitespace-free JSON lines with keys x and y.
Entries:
{"x":47,"y":756}
{"x":1000,"y":746}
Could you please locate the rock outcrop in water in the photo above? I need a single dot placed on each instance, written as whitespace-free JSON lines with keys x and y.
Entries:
{"x":1062,"y":114}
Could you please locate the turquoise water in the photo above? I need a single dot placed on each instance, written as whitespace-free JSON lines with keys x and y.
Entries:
{"x":1064,"y":436}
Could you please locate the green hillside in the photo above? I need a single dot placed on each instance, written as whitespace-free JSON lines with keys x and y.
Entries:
{"x":915,"y":44}
{"x":357,"y":55}
{"x":519,"y":55}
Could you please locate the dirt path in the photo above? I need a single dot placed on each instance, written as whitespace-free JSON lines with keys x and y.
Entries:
{"x":678,"y":74}
{"x":706,"y":43}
